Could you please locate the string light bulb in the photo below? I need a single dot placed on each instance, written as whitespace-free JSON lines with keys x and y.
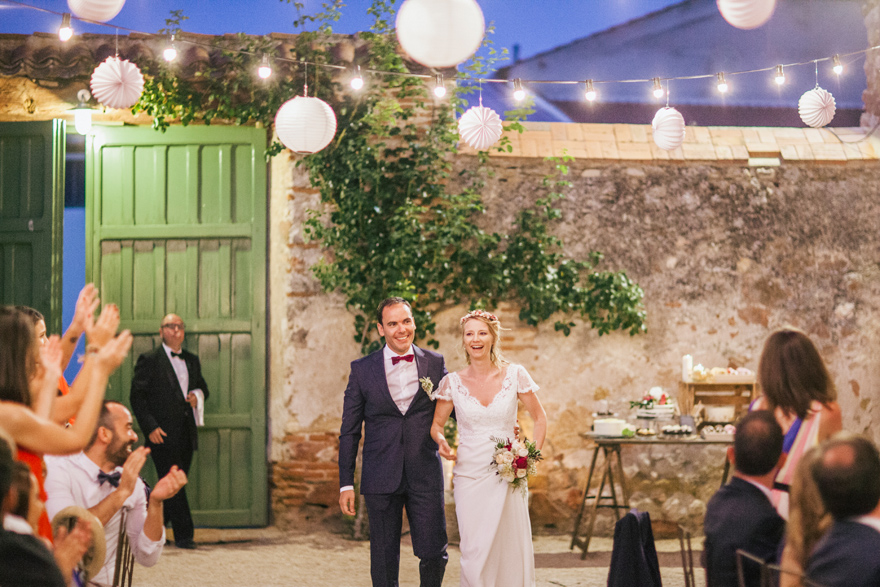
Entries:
{"x":780,"y":75}
{"x":170,"y":52}
{"x":589,"y":92}
{"x":65,"y":31}
{"x":439,"y":86}
{"x":658,"y":88}
{"x":838,"y":66}
{"x":519,"y":93}
{"x":265,"y":70}
{"x":357,"y":80}
{"x":722,"y":84}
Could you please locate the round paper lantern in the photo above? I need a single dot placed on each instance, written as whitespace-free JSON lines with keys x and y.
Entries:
{"x":117,"y":83}
{"x":746,"y":14}
{"x":97,"y":10}
{"x":440,"y":33}
{"x":816,"y":107}
{"x":480,"y":127}
{"x":305,"y":125}
{"x":668,"y":127}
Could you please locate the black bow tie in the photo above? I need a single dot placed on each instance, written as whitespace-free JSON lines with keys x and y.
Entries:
{"x":173,"y":354}
{"x":111,"y":478}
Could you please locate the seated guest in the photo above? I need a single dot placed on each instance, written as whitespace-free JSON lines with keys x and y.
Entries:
{"x":24,"y":517}
{"x":741,"y":514}
{"x":848,"y":476}
{"x":104,"y":479}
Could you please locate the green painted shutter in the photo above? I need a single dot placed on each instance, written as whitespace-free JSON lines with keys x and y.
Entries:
{"x":32,"y":216}
{"x":176,"y":222}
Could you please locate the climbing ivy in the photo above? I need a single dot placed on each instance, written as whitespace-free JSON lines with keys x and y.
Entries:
{"x":392,"y":221}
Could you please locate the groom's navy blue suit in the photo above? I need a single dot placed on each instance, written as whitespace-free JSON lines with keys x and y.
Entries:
{"x":400,"y":468}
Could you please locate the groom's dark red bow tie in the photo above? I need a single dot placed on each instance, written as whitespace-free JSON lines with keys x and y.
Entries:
{"x":407,"y":358}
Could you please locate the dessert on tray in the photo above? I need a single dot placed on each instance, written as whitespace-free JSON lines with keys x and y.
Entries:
{"x":654,"y":404}
{"x":700,"y":374}
{"x":609,"y":427}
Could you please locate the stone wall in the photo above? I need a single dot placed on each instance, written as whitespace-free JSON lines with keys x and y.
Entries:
{"x":871,"y":97}
{"x":725,"y":251}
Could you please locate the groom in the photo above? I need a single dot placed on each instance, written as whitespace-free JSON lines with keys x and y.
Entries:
{"x":401,"y":466}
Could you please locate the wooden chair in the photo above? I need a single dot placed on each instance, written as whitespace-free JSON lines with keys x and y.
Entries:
{"x":741,"y":558}
{"x":122,"y":575}
{"x":687,"y":556}
{"x":776,"y":572}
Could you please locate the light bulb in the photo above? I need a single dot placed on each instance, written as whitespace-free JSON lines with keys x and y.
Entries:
{"x":82,"y":113}
{"x":722,"y":84}
{"x":589,"y":92}
{"x":65,"y":31}
{"x":658,"y":89}
{"x":780,"y":75}
{"x":265,"y":70}
{"x":439,"y":86}
{"x":838,"y":66}
{"x":170,"y":52}
{"x":518,"y":92}
{"x":357,"y":80}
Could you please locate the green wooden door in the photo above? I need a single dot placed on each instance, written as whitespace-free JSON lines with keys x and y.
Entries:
{"x":32,"y":216}
{"x":176,"y":222}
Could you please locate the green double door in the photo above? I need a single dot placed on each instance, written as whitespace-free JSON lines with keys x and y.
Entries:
{"x":176,"y":223}
{"x":31,"y":214}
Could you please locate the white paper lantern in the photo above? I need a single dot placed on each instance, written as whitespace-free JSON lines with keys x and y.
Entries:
{"x":746,"y":14}
{"x":668,"y":128}
{"x":480,"y":127}
{"x":816,"y":107}
{"x":305,"y":125}
{"x":117,"y":83}
{"x":440,"y":33}
{"x":97,"y":10}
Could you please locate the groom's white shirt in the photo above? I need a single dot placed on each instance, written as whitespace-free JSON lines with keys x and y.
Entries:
{"x":402,"y":379}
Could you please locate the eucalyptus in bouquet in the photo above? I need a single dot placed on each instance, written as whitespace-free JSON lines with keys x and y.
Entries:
{"x":514,"y":461}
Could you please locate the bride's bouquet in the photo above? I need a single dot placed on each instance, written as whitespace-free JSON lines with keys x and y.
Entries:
{"x":515,"y":460}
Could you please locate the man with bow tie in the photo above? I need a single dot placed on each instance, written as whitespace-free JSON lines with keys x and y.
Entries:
{"x":104,"y":479}
{"x":167,"y":397}
{"x":388,"y":394}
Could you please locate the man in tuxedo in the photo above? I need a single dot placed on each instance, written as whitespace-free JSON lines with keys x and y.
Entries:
{"x":387,"y":395}
{"x":167,"y":391}
{"x":741,"y":515}
{"x":848,"y":477}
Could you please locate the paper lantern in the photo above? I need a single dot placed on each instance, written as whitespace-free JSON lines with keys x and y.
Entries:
{"x":816,"y":107}
{"x":480,"y":127}
{"x":305,"y":125}
{"x":668,"y":128}
{"x":746,"y":14}
{"x":97,"y":10}
{"x":440,"y":33}
{"x":117,"y":83}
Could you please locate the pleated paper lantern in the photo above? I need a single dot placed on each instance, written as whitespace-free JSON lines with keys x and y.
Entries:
{"x":480,"y":127}
{"x":440,"y":33}
{"x":668,"y":128}
{"x":117,"y":83}
{"x":305,"y":125}
{"x":746,"y":14}
{"x":97,"y":10}
{"x":816,"y":107}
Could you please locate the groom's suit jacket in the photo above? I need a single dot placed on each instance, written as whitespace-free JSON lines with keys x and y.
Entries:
{"x":395,"y":444}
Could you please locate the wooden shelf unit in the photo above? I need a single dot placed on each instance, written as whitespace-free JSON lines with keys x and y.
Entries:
{"x":739,"y":395}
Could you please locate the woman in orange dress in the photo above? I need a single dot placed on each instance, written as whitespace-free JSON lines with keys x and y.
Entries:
{"x":796,"y":386}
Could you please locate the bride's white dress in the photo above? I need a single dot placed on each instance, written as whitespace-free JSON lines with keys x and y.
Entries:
{"x":493,"y":518}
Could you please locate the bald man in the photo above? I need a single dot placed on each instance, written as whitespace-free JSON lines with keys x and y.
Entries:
{"x":167,"y":393}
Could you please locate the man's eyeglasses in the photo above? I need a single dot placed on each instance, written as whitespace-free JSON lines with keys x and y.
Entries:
{"x":174,"y":327}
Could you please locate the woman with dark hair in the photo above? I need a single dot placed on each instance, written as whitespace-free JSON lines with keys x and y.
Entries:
{"x":796,"y":386}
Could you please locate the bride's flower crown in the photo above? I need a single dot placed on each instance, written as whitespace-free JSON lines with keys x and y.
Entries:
{"x":479,"y":314}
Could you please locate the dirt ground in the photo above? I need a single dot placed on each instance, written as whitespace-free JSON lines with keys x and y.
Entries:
{"x":269,"y":557}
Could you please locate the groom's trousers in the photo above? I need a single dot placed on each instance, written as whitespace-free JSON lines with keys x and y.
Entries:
{"x":426,"y":512}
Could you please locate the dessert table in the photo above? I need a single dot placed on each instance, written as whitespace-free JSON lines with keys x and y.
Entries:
{"x":611,"y":447}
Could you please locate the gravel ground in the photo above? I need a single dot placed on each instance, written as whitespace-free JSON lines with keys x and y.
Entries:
{"x":269,"y":557}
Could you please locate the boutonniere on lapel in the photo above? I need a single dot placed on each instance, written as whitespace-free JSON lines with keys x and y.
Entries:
{"x":427,"y":387}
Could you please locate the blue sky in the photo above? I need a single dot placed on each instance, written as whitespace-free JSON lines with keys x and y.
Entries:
{"x":536,"y":25}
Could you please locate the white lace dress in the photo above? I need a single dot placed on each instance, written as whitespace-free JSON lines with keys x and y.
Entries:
{"x":493,"y":518}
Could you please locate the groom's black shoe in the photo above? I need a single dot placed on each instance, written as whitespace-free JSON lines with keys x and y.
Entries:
{"x":187,"y":543}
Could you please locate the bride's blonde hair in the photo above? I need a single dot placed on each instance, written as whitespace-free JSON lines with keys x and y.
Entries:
{"x":494,"y":325}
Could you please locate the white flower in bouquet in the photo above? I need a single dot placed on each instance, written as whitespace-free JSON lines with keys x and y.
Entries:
{"x":520,"y":473}
{"x":523,"y":452}
{"x":533,"y":469}
{"x":499,"y":458}
{"x":507,"y":457}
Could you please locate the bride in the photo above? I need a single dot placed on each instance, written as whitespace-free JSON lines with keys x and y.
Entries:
{"x":493,"y":517}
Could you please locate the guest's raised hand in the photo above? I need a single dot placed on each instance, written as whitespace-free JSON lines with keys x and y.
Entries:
{"x":131,"y":469}
{"x":111,"y":355}
{"x":50,"y":358}
{"x":44,"y":385}
{"x":169,"y":485}
{"x":71,"y":546}
{"x":86,"y":304}
{"x":104,"y":328}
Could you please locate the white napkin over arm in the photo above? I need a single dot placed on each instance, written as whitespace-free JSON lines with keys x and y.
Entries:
{"x":199,"y":409}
